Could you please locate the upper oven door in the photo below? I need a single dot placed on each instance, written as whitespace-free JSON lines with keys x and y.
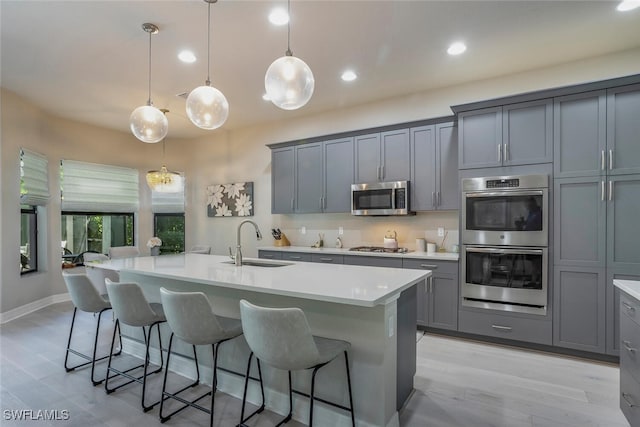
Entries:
{"x":507,"y":217}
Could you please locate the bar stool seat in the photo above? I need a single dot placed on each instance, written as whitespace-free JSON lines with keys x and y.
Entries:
{"x":132,"y":308}
{"x":193,"y":321}
{"x":85,"y":297}
{"x":281,"y":338}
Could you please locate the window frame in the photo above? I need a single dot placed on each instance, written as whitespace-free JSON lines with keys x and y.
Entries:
{"x":156,"y":215}
{"x":32,"y":238}
{"x":99,"y":213}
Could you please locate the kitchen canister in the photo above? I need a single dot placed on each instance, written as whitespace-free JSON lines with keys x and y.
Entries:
{"x":431,"y":248}
{"x":421,"y":245}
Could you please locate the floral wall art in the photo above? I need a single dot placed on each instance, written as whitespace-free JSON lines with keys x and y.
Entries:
{"x":230,"y":199}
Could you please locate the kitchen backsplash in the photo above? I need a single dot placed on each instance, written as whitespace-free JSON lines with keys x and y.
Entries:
{"x":370,"y":231}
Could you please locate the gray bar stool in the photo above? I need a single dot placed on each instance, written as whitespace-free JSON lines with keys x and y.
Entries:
{"x":281,"y":338}
{"x":132,"y":308}
{"x":85,"y":297}
{"x":193,"y":321}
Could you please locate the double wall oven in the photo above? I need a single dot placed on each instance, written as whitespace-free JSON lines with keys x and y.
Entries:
{"x":505,"y":229}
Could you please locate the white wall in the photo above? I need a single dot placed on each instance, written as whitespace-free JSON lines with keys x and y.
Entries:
{"x":232,"y":156}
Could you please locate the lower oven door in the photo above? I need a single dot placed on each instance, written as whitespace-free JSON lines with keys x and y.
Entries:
{"x":505,"y":278}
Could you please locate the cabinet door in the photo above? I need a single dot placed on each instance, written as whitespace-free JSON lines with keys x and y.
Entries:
{"x":527,"y":133}
{"x":613,"y":307}
{"x":623,"y":222}
{"x":268,"y":254}
{"x":580,"y":222}
{"x":579,"y":132}
{"x":338,"y":175}
{"x":579,"y":308}
{"x":367,"y":158}
{"x":448,"y":197}
{"x":623,"y":130}
{"x":309,"y":171}
{"x":373,"y":261}
{"x":395,"y":155}
{"x":480,"y":138}
{"x":282,"y":180}
{"x":423,"y":168}
{"x":443,"y":302}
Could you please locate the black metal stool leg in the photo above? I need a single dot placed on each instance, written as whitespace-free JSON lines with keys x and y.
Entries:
{"x":244,"y":395}
{"x":353,"y":418}
{"x":313,"y":384}
{"x":288,"y":417}
{"x":66,"y":357}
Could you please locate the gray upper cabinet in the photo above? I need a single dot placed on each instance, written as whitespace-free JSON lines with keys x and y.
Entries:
{"x":579,"y":129}
{"x":338,"y":175}
{"x":623,"y":217}
{"x":308,"y":182}
{"x":434,"y":167}
{"x":282,"y":180}
{"x":383,"y":156}
{"x":623,"y":130}
{"x":515,"y":134}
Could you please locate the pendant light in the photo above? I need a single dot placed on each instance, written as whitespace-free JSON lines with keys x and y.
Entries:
{"x":289,"y":81}
{"x":147,"y":123}
{"x":164,"y":181}
{"x":207,"y":107}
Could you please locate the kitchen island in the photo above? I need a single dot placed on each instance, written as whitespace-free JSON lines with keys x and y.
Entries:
{"x":373,"y":308}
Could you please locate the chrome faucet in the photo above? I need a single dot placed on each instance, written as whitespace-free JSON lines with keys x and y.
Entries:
{"x":238,"y":256}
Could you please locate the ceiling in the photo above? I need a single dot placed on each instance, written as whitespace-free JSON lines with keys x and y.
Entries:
{"x":88,"y":60}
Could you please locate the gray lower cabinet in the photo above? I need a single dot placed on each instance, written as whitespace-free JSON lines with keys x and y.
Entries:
{"x":514,"y":134}
{"x":327,"y":259}
{"x":267,"y":254}
{"x":437,"y":300}
{"x":282,"y":180}
{"x":504,"y":325}
{"x":296,"y":256}
{"x":613,"y":307}
{"x":630,"y":358}
{"x":434,"y":167}
{"x":383,"y":156}
{"x":373,"y":261}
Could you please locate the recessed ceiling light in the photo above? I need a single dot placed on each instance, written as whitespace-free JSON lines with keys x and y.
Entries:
{"x":349,"y":76}
{"x":187,"y":56}
{"x":627,"y":5}
{"x":279,"y":16}
{"x":266,"y":97}
{"x":456,"y":48}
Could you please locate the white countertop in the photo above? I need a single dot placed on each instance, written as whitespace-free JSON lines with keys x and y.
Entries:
{"x":344,"y":284}
{"x":442,"y":256}
{"x":632,"y":287}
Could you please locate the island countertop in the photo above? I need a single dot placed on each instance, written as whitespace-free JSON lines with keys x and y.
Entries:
{"x":343,"y":284}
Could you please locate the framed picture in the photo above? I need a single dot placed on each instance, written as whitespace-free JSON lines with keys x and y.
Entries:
{"x":234,"y":199}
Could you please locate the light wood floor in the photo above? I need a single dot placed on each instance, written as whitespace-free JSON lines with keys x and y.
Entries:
{"x":458,"y":383}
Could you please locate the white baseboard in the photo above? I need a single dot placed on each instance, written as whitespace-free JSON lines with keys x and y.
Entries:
{"x":32,"y":306}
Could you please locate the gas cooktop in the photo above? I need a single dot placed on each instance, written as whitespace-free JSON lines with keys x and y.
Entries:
{"x":378,"y":249}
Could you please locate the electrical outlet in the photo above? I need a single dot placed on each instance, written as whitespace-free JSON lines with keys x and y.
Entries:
{"x":340,"y":231}
{"x":303,"y":230}
{"x":440,"y":231}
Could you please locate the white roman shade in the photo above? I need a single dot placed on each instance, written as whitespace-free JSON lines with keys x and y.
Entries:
{"x":91,"y":187}
{"x":34,"y":181}
{"x":162,"y":202}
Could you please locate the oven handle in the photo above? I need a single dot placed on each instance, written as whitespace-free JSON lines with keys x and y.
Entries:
{"x":505,"y":193}
{"x":504,"y":251}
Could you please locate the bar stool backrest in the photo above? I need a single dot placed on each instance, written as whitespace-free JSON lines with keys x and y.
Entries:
{"x":281,"y":337}
{"x":200,"y":250}
{"x":129,"y":304}
{"x":123,"y":252}
{"x":191,"y":318}
{"x":83,"y":294}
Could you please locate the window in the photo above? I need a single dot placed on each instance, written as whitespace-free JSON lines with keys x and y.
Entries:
{"x":96,"y":231}
{"x":34,"y":192}
{"x":169,"y":227}
{"x":28,"y":239}
{"x":98,"y":206}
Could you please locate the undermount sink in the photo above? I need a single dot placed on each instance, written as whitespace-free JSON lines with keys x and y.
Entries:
{"x":261,"y":263}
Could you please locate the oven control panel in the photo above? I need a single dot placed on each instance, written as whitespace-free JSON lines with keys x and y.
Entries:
{"x":503,"y":183}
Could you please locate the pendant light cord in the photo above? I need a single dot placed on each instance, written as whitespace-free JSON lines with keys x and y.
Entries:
{"x":149,"y":100}
{"x":208,"y":82}
{"x":288,"y":52}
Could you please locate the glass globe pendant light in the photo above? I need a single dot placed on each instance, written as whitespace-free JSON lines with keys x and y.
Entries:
{"x":164,"y":180}
{"x":147,"y":123}
{"x":207,"y":107}
{"x":289,"y":82}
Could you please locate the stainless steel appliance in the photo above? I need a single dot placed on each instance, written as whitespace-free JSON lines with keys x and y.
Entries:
{"x":505,"y":227}
{"x":506,"y":210}
{"x":380,"y":198}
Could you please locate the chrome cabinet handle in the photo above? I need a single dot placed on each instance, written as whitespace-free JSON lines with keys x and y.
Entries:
{"x":295,"y":257}
{"x":382,"y":172}
{"x":502,"y":328}
{"x":602,"y":191}
{"x":430,"y":285}
{"x":499,"y":152}
{"x":610,"y":159}
{"x":625,"y":397}
{"x":320,"y":201}
{"x":430,"y":266}
{"x":610,"y":190}
{"x":602,"y":160}
{"x":291,"y":203}
{"x":266,"y":256}
{"x":326,"y":259}
{"x":439,"y":201}
{"x":433,"y":198}
{"x":627,"y":346}
{"x":506,"y":152}
{"x":629,"y":308}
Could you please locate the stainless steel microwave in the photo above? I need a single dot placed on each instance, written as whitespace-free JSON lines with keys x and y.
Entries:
{"x":380,"y":198}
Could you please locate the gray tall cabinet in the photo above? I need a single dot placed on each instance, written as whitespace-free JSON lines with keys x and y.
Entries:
{"x":596,"y":211}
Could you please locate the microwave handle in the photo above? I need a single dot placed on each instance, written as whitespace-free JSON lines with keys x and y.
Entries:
{"x":505,"y":193}
{"x":504,"y":251}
